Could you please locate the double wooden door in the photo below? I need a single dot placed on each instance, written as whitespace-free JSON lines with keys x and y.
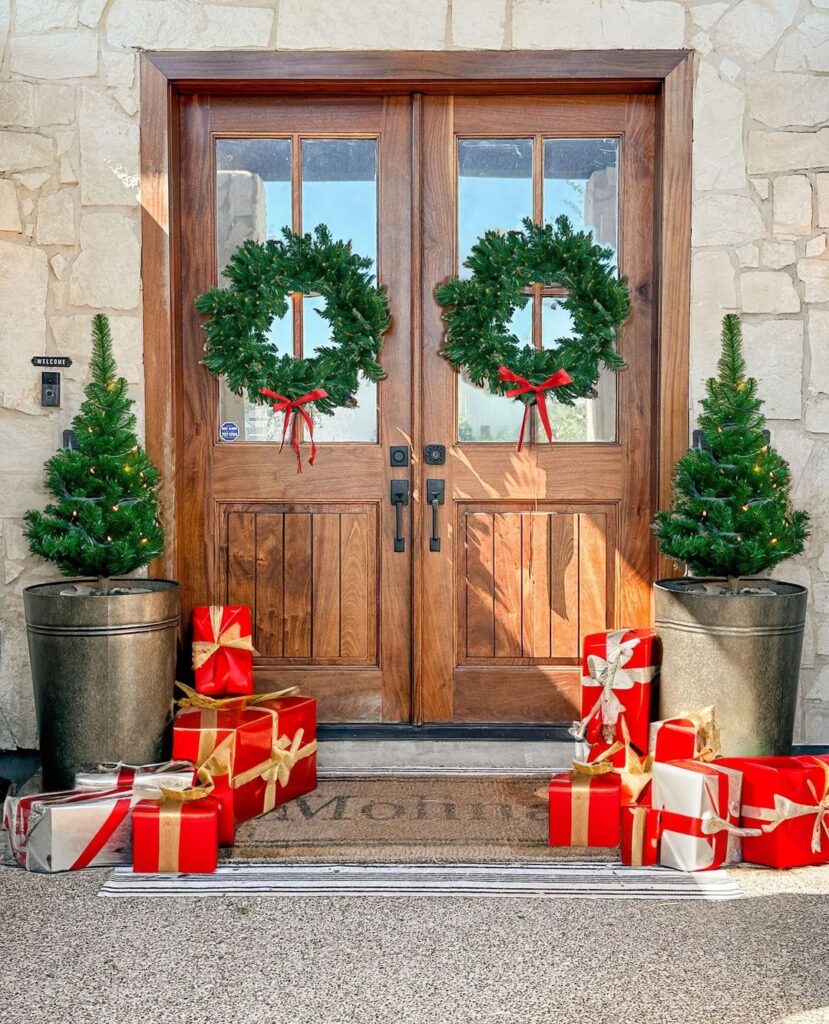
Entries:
{"x":466,"y":602}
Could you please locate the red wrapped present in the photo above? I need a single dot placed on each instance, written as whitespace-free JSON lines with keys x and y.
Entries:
{"x":584,"y":809}
{"x":787,"y":799}
{"x":617,"y":669}
{"x":634,"y":772}
{"x":70,"y":830}
{"x":223,"y":649}
{"x":175,"y":835}
{"x":693,"y":736}
{"x":640,"y":835}
{"x":290,"y":770}
{"x":700,"y":805}
{"x":260,"y":750}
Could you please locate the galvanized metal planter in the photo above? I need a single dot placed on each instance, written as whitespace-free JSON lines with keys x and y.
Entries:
{"x":740,"y":652}
{"x":103,"y":669}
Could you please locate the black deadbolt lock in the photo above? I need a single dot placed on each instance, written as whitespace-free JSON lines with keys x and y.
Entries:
{"x":434,"y":454}
{"x":399,"y":455}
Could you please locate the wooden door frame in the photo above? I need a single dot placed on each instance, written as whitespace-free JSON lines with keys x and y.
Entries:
{"x":165,"y":76}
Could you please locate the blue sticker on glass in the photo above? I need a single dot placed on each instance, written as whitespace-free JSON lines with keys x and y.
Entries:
{"x":229,"y":431}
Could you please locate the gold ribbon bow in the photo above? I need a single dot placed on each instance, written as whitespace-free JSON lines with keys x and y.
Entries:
{"x":785,"y":810}
{"x":610,"y":673}
{"x":635,"y":774}
{"x":704,"y":721}
{"x":277,"y":769}
{"x":202,"y":701}
{"x":203,"y":650}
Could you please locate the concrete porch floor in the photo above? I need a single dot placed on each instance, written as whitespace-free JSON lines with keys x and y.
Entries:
{"x":70,"y":956}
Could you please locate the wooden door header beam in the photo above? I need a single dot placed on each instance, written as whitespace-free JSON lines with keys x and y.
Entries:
{"x":420,"y":70}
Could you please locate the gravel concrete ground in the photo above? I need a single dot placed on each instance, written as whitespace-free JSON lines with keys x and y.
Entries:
{"x":73,"y":958}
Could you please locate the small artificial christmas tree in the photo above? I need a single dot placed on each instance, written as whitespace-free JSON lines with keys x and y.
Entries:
{"x":732,"y":515}
{"x":104,"y":518}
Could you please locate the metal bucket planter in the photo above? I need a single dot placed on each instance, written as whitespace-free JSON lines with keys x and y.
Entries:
{"x":740,"y":652}
{"x":103,"y":669}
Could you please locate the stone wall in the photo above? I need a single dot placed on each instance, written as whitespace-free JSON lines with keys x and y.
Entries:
{"x":69,"y":213}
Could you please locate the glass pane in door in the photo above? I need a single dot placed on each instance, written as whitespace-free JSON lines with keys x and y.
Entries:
{"x":495,"y":191}
{"x":253,"y":201}
{"x":581,"y":180}
{"x":339,"y":189}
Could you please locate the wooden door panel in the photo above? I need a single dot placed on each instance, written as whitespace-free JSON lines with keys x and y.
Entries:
{"x":539,"y":542}
{"x":531,"y":584}
{"x":311,"y":553}
{"x":309,"y":574}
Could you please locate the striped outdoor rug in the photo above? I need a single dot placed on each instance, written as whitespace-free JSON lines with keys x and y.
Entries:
{"x":571,"y":880}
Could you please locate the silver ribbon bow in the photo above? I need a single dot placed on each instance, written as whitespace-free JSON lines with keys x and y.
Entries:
{"x":611,"y":674}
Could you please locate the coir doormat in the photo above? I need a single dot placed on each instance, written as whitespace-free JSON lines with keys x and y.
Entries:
{"x":407,"y":818}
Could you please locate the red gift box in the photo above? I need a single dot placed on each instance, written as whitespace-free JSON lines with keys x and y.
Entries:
{"x":260,"y":751}
{"x":171,"y":835}
{"x":700,"y":805}
{"x":694,"y":736}
{"x":634,"y":771}
{"x":290,"y":770}
{"x":640,"y":835}
{"x":787,"y":798}
{"x":223,"y":649}
{"x":584,"y":809}
{"x":617,"y":669}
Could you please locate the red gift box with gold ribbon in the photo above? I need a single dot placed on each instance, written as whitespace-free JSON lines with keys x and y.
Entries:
{"x":693,"y":736}
{"x":617,"y":669}
{"x":290,"y":769}
{"x":223,"y":649}
{"x":175,"y":835}
{"x":260,"y":751}
{"x":585,"y":809}
{"x":787,"y":799}
{"x":641,"y":827}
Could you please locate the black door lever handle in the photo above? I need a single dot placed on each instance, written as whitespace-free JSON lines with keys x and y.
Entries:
{"x":399,"y":498}
{"x":435,"y":496}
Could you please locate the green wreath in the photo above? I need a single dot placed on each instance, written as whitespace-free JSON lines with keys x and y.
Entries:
{"x":262,"y":276}
{"x":479,"y":310}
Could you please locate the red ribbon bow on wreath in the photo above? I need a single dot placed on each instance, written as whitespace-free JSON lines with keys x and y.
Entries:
{"x":558,"y":378}
{"x":292,"y":407}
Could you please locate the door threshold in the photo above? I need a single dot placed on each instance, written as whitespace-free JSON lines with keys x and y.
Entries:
{"x":442,"y":732}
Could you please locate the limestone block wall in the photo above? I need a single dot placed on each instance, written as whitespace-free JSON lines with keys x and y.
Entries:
{"x":70,"y":237}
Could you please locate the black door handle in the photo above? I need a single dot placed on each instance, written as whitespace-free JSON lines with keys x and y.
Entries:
{"x":399,"y":498}
{"x":435,"y":495}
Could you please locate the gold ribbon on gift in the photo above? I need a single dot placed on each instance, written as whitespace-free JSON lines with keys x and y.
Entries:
{"x":785,"y":810}
{"x":277,"y":769}
{"x":704,"y":721}
{"x":579,"y":808}
{"x":169,"y":835}
{"x":636,"y":772}
{"x":637,"y":838}
{"x":611,"y":674}
{"x":203,"y":650}
{"x":711,"y":824}
{"x":202,"y":702}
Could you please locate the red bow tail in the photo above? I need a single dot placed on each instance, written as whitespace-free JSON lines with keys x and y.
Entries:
{"x":524,"y":388}
{"x":292,"y":408}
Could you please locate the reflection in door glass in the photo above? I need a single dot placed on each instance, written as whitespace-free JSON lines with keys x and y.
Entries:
{"x":357,"y":424}
{"x":581,"y":181}
{"x":253,"y":200}
{"x":495,"y":191}
{"x":339,"y":188}
{"x":590,"y":419}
